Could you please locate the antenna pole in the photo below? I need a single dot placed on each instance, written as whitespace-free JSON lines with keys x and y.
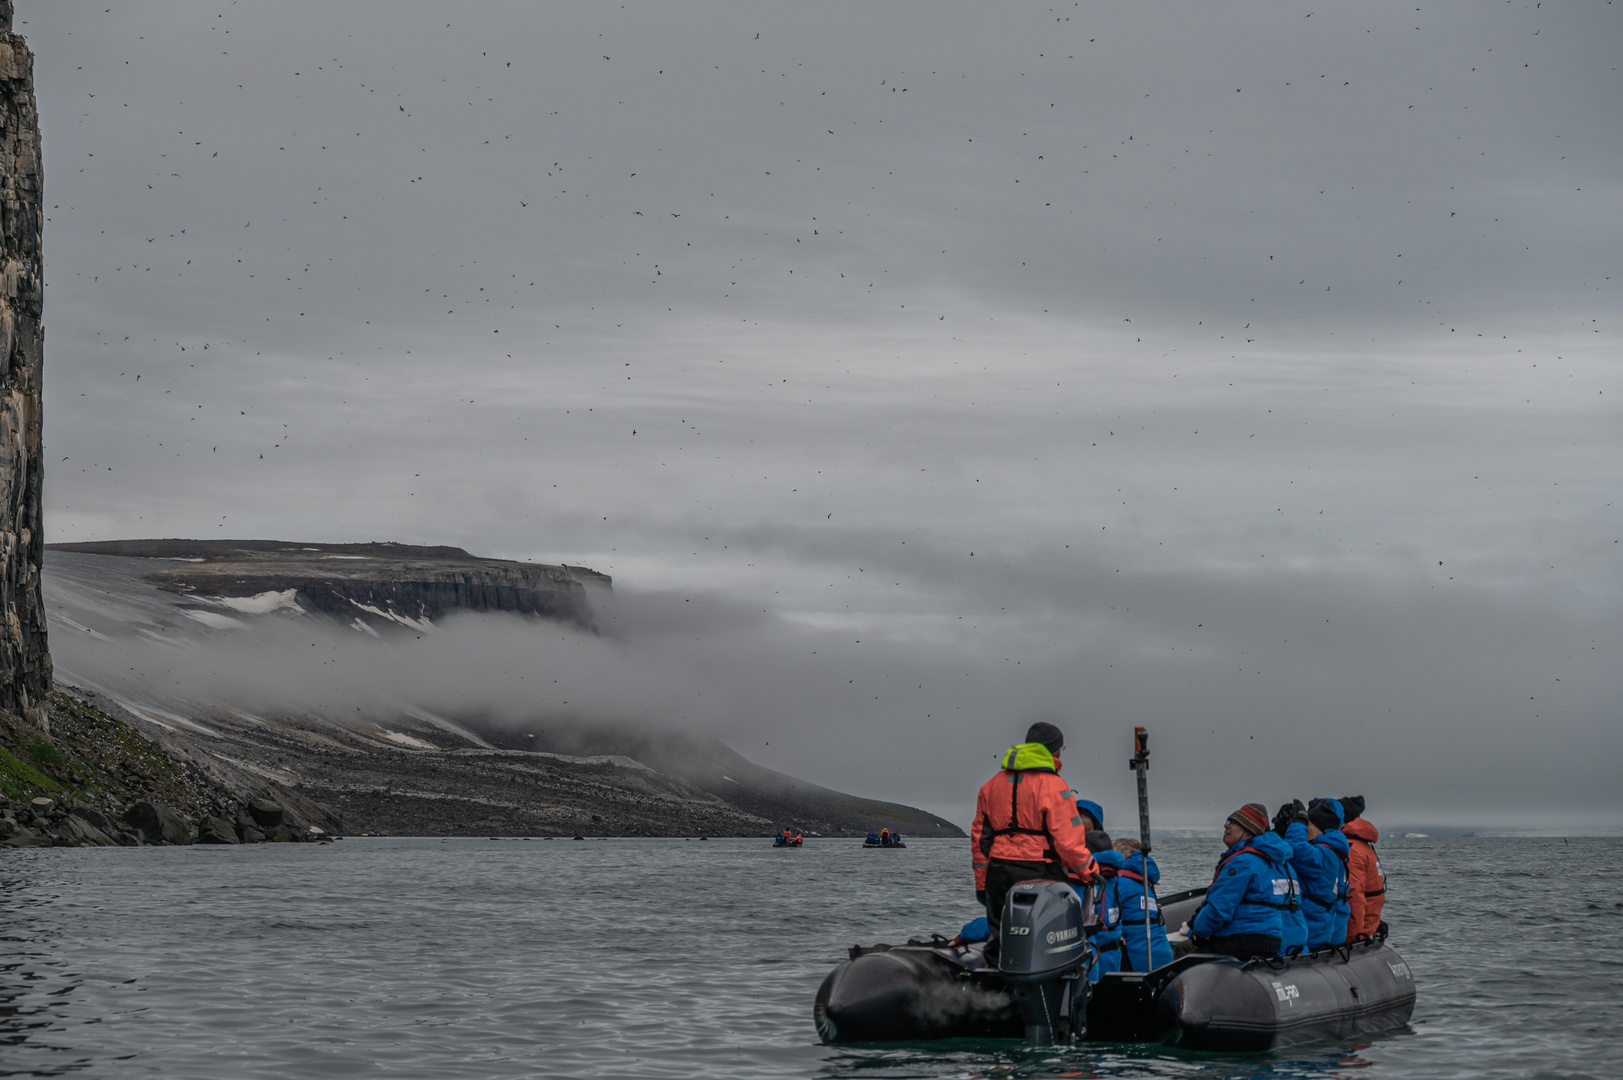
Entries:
{"x":1140,"y":764}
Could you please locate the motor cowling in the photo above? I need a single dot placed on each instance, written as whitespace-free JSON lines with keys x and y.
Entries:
{"x":1044,"y":956}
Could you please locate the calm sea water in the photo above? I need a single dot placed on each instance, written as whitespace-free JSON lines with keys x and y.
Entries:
{"x":669,"y":958}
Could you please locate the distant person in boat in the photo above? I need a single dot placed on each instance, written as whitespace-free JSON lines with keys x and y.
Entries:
{"x":1241,"y":913}
{"x":1292,"y":920}
{"x":1105,"y":935}
{"x":1319,"y":853}
{"x":1093,"y":815}
{"x":785,"y":836}
{"x":1366,"y":881}
{"x":884,"y":838}
{"x":1134,"y":885}
{"x":1027,"y":825}
{"x":798,"y":839}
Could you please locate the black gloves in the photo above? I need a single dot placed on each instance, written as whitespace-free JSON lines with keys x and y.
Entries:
{"x":980,"y":897}
{"x":1291,"y":812}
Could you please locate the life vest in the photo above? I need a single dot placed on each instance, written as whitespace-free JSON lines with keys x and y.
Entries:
{"x":1340,"y":895}
{"x":989,"y":834}
{"x":1150,"y":898}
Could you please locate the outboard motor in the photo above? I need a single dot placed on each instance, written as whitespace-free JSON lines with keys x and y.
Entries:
{"x":1044,"y":956}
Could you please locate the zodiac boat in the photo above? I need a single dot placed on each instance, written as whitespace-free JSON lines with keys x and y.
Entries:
{"x":936,"y":990}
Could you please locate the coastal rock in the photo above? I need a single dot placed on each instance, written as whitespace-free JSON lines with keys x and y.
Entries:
{"x":22,"y":836}
{"x":86,"y":832}
{"x":157,"y":823}
{"x":266,"y":814}
{"x":216,"y":830}
{"x":94,"y":817}
{"x":248,"y":829}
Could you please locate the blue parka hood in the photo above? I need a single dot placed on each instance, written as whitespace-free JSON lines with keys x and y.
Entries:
{"x":1135,"y":863}
{"x":1093,"y":810}
{"x":1111,"y":859}
{"x":1337,"y":839}
{"x":1270,"y":844}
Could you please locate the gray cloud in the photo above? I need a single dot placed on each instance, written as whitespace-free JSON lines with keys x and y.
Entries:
{"x":1265,"y":315}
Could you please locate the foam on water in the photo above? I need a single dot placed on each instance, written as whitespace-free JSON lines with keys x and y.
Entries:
{"x":669,"y":958}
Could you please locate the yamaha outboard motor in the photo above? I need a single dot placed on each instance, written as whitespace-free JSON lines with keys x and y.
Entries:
{"x":1044,"y":956}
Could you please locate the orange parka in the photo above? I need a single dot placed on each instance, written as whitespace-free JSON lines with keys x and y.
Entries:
{"x":1027,"y":813}
{"x":1366,"y":881}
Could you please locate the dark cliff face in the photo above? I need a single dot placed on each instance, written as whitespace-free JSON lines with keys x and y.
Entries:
{"x":25,"y":660}
{"x":372,"y":586}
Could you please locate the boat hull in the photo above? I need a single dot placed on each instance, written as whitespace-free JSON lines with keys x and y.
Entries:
{"x":910,"y":993}
{"x":1199,"y":1002}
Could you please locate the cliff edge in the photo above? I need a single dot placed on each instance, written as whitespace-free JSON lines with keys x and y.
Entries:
{"x":369,"y":587}
{"x":25,"y":659}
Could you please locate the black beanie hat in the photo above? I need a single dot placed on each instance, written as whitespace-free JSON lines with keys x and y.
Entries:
{"x":1047,"y":734}
{"x":1323,"y":816}
{"x":1352,"y":806}
{"x":1098,"y":840}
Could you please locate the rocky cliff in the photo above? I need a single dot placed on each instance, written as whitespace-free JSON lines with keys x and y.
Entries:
{"x":380,"y":762}
{"x":25,"y":661}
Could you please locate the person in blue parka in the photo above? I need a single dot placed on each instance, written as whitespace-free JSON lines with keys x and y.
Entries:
{"x":1129,"y":892}
{"x":1292,"y":920}
{"x":1319,"y":853}
{"x":1241,"y":913}
{"x":1105,"y":933}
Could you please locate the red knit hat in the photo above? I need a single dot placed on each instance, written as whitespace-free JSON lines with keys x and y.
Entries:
{"x":1252,"y":817}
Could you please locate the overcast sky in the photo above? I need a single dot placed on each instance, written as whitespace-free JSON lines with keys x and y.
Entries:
{"x":1250,"y":372}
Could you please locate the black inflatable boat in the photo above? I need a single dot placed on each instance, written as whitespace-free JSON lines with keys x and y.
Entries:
{"x":934,"y":990}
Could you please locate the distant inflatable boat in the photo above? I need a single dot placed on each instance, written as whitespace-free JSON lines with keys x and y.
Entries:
{"x":894,"y":840}
{"x":781,"y":842}
{"x":935,"y":990}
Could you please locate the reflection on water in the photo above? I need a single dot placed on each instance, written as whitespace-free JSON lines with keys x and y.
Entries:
{"x":994,"y":1061}
{"x":649,"y":958}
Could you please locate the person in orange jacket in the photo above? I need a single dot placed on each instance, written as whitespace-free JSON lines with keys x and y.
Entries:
{"x":1366,"y":881}
{"x":1027,"y":825}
